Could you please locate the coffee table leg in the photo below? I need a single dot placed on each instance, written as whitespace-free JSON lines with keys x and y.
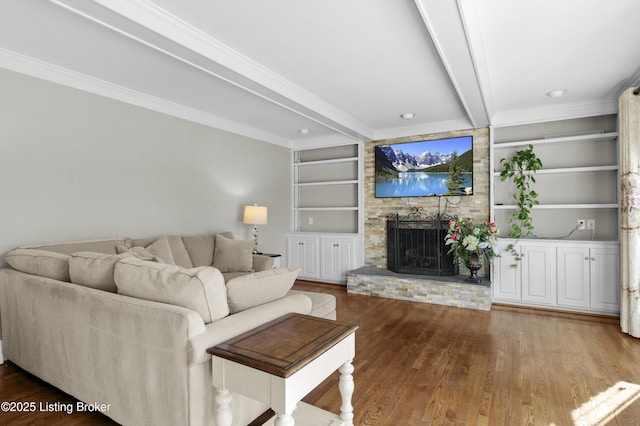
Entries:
{"x":224,"y":415}
{"x":284,"y":420}
{"x":346,"y":391}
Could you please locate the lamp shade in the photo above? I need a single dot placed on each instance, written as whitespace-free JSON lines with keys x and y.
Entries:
{"x":255,"y":215}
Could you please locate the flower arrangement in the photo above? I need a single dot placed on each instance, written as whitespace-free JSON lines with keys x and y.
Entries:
{"x":466,"y":238}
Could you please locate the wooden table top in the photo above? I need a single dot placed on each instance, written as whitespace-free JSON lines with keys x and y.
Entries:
{"x":285,"y":345}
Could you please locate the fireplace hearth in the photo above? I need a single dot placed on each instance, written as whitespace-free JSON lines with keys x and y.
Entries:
{"x":416,"y":245}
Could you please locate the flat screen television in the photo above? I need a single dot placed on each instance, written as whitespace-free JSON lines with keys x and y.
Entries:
{"x":430,"y":168}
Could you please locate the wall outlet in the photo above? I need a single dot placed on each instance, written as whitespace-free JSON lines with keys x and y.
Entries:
{"x":310,"y":221}
{"x":582,"y":224}
{"x":591,"y":224}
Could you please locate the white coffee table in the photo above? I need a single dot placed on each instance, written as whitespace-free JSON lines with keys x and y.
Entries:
{"x":281,"y":362}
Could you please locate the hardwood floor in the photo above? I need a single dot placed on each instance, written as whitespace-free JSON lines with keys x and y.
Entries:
{"x":423,"y":364}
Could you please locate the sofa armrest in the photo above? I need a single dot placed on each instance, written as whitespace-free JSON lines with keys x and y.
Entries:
{"x":233,"y":325}
{"x":262,"y":263}
{"x":100,"y":346}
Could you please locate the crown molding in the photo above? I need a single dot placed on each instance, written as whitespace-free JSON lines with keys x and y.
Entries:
{"x":634,"y":81}
{"x":554,"y":113}
{"x":323,"y":142}
{"x":33,"y":67}
{"x":422,"y":129}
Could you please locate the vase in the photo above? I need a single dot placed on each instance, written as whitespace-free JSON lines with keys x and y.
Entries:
{"x":474,"y":266}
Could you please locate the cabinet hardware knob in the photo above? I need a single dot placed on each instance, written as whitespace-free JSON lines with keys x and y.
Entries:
{"x":593,"y":258}
{"x":586,"y":258}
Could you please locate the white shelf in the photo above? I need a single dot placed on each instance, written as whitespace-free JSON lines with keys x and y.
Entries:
{"x":559,"y":206}
{"x":324,"y":183}
{"x":331,"y":161}
{"x":564,"y":139}
{"x":329,"y":178}
{"x":572,"y":170}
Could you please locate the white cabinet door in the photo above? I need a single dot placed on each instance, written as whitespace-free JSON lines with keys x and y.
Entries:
{"x":336,"y":258}
{"x":605,"y":279}
{"x":506,"y":284}
{"x":573,"y":277}
{"x":303,"y":254}
{"x":538,"y":274}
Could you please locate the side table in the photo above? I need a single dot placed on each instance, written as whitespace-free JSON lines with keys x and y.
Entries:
{"x":276,"y":258}
{"x":281,"y":362}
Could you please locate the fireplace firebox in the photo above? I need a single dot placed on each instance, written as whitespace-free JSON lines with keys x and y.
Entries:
{"x":417,"y":246}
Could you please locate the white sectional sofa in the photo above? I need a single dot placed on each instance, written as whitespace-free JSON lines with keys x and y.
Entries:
{"x":126,"y":322}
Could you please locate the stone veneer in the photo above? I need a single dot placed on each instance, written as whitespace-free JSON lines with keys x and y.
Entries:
{"x":449,"y":291}
{"x":376,"y":210}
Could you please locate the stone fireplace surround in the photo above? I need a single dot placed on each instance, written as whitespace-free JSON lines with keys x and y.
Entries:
{"x":449,"y":291}
{"x":375,"y":279}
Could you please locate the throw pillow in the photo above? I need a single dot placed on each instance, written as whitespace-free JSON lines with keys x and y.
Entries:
{"x":258,"y":288}
{"x":159,"y":249}
{"x":199,"y":289}
{"x":179,"y":252}
{"x":201,"y":247}
{"x":91,"y":269}
{"x":232,"y":255}
{"x":43,"y":263}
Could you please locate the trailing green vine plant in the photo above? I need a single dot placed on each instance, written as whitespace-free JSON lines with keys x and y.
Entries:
{"x":521,"y":169}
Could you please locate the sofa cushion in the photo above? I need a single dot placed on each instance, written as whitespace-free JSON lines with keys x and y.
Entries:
{"x":323,"y":304}
{"x":200,"y":289}
{"x":200,"y":248}
{"x":233,"y":255}
{"x":95,"y":270}
{"x":258,"y":288}
{"x":159,"y":249}
{"x":44,"y":263}
{"x":107,"y":245}
{"x":228,"y":276}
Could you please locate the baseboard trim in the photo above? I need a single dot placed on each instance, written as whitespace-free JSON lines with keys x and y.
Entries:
{"x":556,"y":312}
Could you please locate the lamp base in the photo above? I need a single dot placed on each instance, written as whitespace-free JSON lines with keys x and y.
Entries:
{"x":255,"y":239}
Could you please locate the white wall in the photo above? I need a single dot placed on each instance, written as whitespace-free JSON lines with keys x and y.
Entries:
{"x":74,"y":165}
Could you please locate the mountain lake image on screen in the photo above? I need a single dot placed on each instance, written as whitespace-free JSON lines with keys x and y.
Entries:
{"x":429,"y":168}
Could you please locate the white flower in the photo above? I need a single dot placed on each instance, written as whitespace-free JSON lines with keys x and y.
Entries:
{"x":470,"y":242}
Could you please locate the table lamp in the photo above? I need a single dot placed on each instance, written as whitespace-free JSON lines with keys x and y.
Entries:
{"x":255,"y":215}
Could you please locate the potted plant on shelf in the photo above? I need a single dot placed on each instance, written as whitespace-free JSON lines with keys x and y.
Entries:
{"x":470,"y":241}
{"x":521,"y":169}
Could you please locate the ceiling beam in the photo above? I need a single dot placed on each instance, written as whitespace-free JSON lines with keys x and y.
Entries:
{"x":148,"y":24}
{"x":444,"y":24}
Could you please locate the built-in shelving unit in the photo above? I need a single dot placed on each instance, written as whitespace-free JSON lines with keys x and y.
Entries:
{"x":579,"y":178}
{"x":564,"y":267}
{"x":327,"y":189}
{"x":326,"y":241}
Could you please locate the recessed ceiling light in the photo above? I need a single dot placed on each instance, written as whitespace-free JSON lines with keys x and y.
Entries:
{"x":407,"y":115}
{"x":304,"y":131}
{"x":556,"y":93}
